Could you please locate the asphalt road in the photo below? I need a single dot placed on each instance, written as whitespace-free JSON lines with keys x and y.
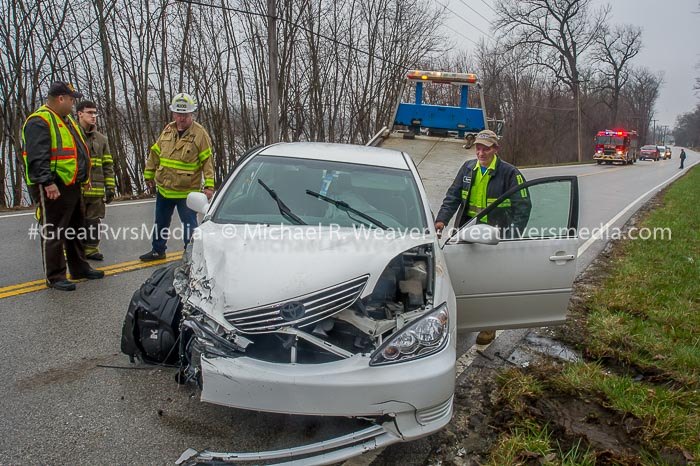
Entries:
{"x":70,"y":397}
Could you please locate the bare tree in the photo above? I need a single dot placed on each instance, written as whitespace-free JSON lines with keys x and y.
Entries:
{"x":614,"y":50}
{"x":557,"y":31}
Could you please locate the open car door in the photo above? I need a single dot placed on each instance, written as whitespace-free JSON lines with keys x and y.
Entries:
{"x":523,"y":277}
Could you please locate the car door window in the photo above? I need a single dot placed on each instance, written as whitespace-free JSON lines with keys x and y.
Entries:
{"x":541,"y":209}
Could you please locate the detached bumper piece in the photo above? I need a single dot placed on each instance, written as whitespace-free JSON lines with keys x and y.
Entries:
{"x":324,"y":452}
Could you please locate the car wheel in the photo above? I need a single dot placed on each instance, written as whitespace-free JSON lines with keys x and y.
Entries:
{"x":599,"y":162}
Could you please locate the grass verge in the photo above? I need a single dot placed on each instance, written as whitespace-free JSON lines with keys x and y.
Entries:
{"x":635,"y":398}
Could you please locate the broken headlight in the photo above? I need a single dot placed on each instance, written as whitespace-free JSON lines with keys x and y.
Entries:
{"x":423,"y":337}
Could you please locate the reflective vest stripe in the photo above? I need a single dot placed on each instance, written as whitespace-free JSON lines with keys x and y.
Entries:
{"x":208,"y":182}
{"x":521,"y":180}
{"x":64,"y":153}
{"x":173,"y":194}
{"x":179,"y":165}
{"x":205,"y":154}
{"x":156,"y":148}
{"x":110,"y":182}
{"x":149,"y":174}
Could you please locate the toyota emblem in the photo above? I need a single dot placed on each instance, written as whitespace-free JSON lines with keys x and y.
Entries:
{"x":292,"y":311}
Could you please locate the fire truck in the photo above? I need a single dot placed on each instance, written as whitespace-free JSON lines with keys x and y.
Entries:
{"x":616,"y":145}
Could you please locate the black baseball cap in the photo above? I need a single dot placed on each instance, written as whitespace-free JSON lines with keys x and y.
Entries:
{"x":60,"y":88}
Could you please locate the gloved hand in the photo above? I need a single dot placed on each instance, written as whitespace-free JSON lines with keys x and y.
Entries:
{"x":109,"y":196}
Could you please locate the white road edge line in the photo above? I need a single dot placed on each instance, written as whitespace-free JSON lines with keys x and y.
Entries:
{"x":605,"y":227}
{"x":118,"y":204}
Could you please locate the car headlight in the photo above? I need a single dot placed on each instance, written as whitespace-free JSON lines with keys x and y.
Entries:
{"x":425,"y":336}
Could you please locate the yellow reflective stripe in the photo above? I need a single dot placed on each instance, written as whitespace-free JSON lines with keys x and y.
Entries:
{"x":107,"y":158}
{"x":205,"y":154}
{"x":156,"y":148}
{"x":94,"y":192}
{"x":149,"y":174}
{"x":96,"y":162}
{"x":521,"y":180}
{"x":172,"y":194}
{"x":208,"y":182}
{"x":110,"y":181}
{"x":464,"y":193}
{"x":179,"y":165}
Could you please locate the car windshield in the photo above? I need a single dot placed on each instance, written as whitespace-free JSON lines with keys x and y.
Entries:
{"x":389,"y":196}
{"x":649,"y":148}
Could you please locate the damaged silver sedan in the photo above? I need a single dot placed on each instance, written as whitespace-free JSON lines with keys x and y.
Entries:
{"x":316,"y":285}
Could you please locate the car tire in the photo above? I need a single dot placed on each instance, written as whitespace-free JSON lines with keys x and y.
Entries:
{"x":599,"y":162}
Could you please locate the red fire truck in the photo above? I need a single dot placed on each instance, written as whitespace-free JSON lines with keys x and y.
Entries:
{"x":616,"y":145}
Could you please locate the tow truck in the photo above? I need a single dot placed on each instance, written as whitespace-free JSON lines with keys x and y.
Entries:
{"x":437,"y":134}
{"x":616,"y":145}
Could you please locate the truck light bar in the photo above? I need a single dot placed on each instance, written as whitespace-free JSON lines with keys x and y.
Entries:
{"x":441,"y":77}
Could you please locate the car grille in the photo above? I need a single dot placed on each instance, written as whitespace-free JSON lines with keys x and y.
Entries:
{"x":316,"y":306}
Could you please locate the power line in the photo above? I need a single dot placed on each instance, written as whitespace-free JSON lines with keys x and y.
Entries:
{"x":490,"y":7}
{"x":310,"y":31}
{"x":463,"y":18}
{"x":459,"y":33}
{"x":484,"y":17}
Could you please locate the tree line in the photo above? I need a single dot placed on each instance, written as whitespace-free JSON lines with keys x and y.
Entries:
{"x":341,"y":71}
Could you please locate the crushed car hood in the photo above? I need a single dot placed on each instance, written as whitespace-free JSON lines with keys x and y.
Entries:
{"x":242,"y":266}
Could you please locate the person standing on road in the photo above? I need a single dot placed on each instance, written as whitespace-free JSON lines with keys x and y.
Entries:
{"x":56,"y":162}
{"x":479,"y":183}
{"x":180,"y":162}
{"x":100,"y":191}
{"x":682,"y":159}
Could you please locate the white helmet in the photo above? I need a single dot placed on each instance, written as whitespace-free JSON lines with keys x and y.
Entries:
{"x":183,"y":103}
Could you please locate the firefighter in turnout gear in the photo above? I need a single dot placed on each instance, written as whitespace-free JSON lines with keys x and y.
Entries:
{"x":56,"y":162}
{"x":479,"y":183}
{"x":180,"y":162}
{"x":100,"y":191}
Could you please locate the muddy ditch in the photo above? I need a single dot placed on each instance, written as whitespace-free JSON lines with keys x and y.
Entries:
{"x":481,"y":418}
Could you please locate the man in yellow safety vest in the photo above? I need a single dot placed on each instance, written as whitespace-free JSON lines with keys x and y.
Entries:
{"x":57,"y":161}
{"x":479,"y":183}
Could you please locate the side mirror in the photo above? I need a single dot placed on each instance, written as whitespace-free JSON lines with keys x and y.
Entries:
{"x":198,"y":202}
{"x":479,"y":233}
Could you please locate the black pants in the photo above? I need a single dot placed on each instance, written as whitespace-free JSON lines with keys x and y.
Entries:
{"x":62,"y":224}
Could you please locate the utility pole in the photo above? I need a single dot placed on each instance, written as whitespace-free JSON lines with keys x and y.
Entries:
{"x":273,"y":124}
{"x":578,"y":119}
{"x":654,"y":133}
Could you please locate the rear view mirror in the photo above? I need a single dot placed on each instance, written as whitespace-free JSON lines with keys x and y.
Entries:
{"x":198,"y":202}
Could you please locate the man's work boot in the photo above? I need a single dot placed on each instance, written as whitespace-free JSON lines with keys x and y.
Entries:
{"x":90,"y":274}
{"x":62,"y":285}
{"x":152,"y":256}
{"x":485,"y":337}
{"x":95,"y":256}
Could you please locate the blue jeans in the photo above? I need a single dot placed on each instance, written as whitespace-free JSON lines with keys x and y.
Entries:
{"x":164,"y":214}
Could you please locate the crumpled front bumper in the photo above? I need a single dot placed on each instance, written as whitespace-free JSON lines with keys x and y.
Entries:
{"x":325,"y":452}
{"x":349,"y":387}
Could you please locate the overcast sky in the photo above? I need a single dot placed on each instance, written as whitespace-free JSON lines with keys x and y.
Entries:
{"x":670,"y":38}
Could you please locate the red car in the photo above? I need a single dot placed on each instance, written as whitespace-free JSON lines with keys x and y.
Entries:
{"x":649,"y":152}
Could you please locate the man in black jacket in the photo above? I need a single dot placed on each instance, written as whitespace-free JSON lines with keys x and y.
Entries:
{"x":57,"y":162}
{"x":478,"y":184}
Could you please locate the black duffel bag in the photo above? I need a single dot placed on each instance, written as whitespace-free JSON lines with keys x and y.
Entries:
{"x":152,"y":323}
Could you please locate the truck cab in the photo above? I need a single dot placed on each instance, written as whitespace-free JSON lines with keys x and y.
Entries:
{"x":616,"y":146}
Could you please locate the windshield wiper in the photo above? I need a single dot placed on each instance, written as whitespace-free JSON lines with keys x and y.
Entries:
{"x":284,"y":210}
{"x":342,"y":205}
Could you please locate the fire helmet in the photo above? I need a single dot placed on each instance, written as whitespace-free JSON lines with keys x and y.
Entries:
{"x":183,"y":103}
